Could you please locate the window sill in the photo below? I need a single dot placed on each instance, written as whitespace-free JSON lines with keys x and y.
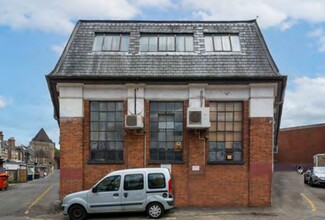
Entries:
{"x":167,"y":53}
{"x":106,"y":162}
{"x":110,"y":53}
{"x":224,"y":53}
{"x":165,"y":162}
{"x":226,"y":162}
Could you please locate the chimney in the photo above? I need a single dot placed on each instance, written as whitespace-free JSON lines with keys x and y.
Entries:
{"x":11,"y":147}
{"x":1,"y":137}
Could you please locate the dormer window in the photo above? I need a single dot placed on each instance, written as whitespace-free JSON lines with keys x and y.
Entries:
{"x":111,"y":42}
{"x":166,"y":43}
{"x":222,"y":43}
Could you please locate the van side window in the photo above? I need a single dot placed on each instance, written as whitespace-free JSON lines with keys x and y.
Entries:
{"x":111,"y":183}
{"x":133,"y":182}
{"x":156,"y":181}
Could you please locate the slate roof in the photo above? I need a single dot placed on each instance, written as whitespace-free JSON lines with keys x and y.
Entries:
{"x":41,"y":136}
{"x":78,"y":60}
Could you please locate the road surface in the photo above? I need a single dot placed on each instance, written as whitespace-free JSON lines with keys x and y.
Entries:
{"x":31,"y":199}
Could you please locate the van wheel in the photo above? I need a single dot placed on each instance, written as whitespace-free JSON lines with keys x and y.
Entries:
{"x":77,"y":212}
{"x":155,"y":210}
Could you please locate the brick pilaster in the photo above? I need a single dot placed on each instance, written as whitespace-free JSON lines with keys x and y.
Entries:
{"x":135,"y":149}
{"x":260,"y":162}
{"x":71,"y":147}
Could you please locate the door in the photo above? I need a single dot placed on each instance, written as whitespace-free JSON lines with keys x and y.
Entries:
{"x":106,"y":195}
{"x":133,"y":192}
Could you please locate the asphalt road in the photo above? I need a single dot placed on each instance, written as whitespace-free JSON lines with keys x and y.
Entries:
{"x":295,"y":200}
{"x":30,"y":200}
{"x":291,"y":199}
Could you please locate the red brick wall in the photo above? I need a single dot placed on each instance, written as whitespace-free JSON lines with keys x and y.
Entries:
{"x":71,"y":147}
{"x":217,"y":185}
{"x":260,"y":162}
{"x":298,"y":145}
{"x":214,"y":185}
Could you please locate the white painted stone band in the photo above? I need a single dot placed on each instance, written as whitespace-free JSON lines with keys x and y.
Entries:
{"x":261,"y":97}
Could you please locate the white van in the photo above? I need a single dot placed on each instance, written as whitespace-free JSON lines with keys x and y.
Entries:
{"x":130,"y":190}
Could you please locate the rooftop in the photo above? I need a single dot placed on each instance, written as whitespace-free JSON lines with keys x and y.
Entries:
{"x":303,"y":127}
{"x":79,"y":61}
{"x":41,"y":136}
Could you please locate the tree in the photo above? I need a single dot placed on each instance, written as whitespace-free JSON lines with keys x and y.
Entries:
{"x":57,"y":157}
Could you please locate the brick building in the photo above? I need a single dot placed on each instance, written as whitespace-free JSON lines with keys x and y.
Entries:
{"x":43,"y":148}
{"x":202,"y":98}
{"x":10,"y":152}
{"x":298,"y":145}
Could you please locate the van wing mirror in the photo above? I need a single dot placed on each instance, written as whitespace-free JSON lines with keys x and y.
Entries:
{"x":94,"y":189}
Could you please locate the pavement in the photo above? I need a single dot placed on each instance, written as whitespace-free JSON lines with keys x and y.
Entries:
{"x":184,"y":214}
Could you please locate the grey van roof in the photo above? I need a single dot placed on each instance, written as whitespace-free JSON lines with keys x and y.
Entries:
{"x":133,"y":170}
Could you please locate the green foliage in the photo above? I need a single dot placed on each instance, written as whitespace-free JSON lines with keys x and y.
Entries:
{"x":12,"y":181}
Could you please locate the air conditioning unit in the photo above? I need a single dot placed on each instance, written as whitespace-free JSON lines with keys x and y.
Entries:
{"x":198,"y":118}
{"x":133,"y":122}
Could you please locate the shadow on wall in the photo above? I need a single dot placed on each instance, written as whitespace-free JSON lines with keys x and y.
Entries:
{"x":291,"y":167}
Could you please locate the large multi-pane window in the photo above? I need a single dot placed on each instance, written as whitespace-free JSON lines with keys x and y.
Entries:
{"x":111,"y":42}
{"x":222,"y":42}
{"x":106,"y":131}
{"x":166,"y":131}
{"x":226,"y":132}
{"x":166,"y":43}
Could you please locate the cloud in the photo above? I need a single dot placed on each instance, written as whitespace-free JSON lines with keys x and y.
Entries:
{"x":58,"y":48}
{"x":319,"y":35}
{"x":280,"y":13}
{"x":162,"y":4}
{"x":4,"y":102}
{"x":286,"y":25}
{"x":58,"y":16}
{"x":304,"y":104}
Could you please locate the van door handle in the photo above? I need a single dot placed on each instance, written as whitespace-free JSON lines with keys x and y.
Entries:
{"x":125,"y":195}
{"x":115,"y":195}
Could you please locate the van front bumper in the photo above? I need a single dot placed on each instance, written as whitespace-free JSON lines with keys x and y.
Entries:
{"x":64,"y":207}
{"x":319,"y":180}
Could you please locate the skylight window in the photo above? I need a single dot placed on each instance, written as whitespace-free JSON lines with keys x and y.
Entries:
{"x":222,"y":42}
{"x":111,"y":42}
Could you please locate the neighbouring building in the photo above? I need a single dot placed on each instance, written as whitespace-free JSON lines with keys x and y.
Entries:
{"x":201,"y":98}
{"x":10,"y":152}
{"x":298,"y":145}
{"x":43,"y":149}
{"x":13,"y":159}
{"x":1,"y":149}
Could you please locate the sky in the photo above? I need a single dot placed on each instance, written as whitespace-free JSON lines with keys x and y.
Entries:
{"x":33,"y":34}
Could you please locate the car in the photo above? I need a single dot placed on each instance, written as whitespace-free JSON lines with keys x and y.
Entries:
{"x":315,"y":176}
{"x":129,"y":190}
